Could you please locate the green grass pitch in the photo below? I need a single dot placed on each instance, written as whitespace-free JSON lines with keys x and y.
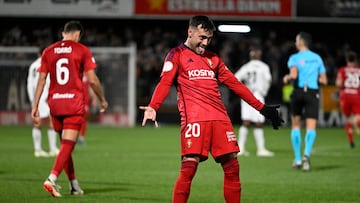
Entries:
{"x":140,"y":165}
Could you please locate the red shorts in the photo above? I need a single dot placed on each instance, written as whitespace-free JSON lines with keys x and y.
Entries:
{"x":200,"y":138}
{"x":67,"y":122}
{"x":350,"y":105}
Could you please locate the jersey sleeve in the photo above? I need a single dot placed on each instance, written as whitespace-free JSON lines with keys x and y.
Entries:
{"x":291,"y":62}
{"x":168,"y":74}
{"x":322,"y":66}
{"x":226,"y":77}
{"x":89,"y":60}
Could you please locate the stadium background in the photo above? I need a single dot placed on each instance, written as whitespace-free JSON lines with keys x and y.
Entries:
{"x":157,"y":25}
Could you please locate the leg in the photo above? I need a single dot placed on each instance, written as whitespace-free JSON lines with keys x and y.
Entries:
{"x":68,"y":141}
{"x":36,"y":135}
{"x":232,"y":185}
{"x":183,"y":183}
{"x":53,"y":150}
{"x":310,"y":135}
{"x":296,"y":139}
{"x":243,"y":133}
{"x":70,"y":172}
{"x":81,"y":139}
{"x":260,"y":141}
{"x":349,"y":130}
{"x":309,"y":142}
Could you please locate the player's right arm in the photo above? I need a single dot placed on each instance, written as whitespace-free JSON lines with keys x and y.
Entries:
{"x":39,"y":89}
{"x":168,"y":74}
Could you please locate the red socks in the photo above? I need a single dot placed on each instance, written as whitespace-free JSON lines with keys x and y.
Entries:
{"x":349,"y":132}
{"x":183,"y":182}
{"x":63,"y":159}
{"x":83,"y":128}
{"x":232,"y":186}
{"x":69,"y":169}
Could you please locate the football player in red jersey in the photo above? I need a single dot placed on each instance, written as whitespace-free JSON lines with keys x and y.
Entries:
{"x":66,"y":61}
{"x":205,"y":124}
{"x":349,"y":83}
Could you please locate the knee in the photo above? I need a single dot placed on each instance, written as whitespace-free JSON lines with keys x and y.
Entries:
{"x":225,"y":158}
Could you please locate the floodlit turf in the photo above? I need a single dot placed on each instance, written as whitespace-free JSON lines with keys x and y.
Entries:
{"x":140,"y":165}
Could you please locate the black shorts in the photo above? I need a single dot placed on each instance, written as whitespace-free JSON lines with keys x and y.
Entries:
{"x":305,"y":103}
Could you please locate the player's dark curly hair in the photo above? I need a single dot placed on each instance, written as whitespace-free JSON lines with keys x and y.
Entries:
{"x":205,"y":22}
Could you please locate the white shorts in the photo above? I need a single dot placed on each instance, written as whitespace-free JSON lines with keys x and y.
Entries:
{"x":249,"y":113}
{"x":44,"y":110}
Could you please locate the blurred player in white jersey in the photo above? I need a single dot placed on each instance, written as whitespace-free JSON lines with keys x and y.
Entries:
{"x":257,"y":77}
{"x":44,"y":112}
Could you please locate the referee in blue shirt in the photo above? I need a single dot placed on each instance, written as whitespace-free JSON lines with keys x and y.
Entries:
{"x":307,"y":71}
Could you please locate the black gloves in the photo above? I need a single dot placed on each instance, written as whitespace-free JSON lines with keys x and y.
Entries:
{"x":271,"y":112}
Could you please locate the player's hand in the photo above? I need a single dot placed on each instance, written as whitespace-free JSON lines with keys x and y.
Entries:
{"x":271,"y":112}
{"x":35,"y":116}
{"x":149,"y":113}
{"x":104,"y":106}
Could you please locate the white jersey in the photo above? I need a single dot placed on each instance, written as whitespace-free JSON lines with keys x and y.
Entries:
{"x":32,"y":80}
{"x":257,"y":77}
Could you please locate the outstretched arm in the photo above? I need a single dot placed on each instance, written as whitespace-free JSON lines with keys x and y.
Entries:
{"x":149,"y":114}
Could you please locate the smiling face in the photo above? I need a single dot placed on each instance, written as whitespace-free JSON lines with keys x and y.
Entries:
{"x":198,"y":38}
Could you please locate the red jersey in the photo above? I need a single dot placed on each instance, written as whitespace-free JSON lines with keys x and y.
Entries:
{"x":196,"y":78}
{"x":350,"y":81}
{"x":66,"y":61}
{"x":349,"y":91}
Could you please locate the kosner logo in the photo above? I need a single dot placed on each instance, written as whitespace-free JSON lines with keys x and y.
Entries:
{"x":201,"y":74}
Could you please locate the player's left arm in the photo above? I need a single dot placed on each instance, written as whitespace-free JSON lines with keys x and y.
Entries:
{"x":226,"y":77}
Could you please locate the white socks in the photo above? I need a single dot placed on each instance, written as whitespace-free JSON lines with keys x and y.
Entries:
{"x":52,"y":177}
{"x":52,"y":140}
{"x":259,"y":138}
{"x":36,"y":135}
{"x":258,"y":135}
{"x":243,"y":132}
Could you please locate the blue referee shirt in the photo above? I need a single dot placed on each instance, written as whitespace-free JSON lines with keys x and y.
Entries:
{"x":309,"y":65}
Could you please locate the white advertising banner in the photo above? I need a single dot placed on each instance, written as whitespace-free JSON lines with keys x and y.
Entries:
{"x":68,"y":8}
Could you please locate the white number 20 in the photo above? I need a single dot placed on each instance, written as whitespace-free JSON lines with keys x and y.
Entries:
{"x":62,"y":71}
{"x":352,"y":80}
{"x":192,"y":130}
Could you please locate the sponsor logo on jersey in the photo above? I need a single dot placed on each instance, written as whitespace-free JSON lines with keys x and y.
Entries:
{"x":201,"y":74}
{"x":63,"y":50}
{"x":230,"y":136}
{"x":63,"y":96}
